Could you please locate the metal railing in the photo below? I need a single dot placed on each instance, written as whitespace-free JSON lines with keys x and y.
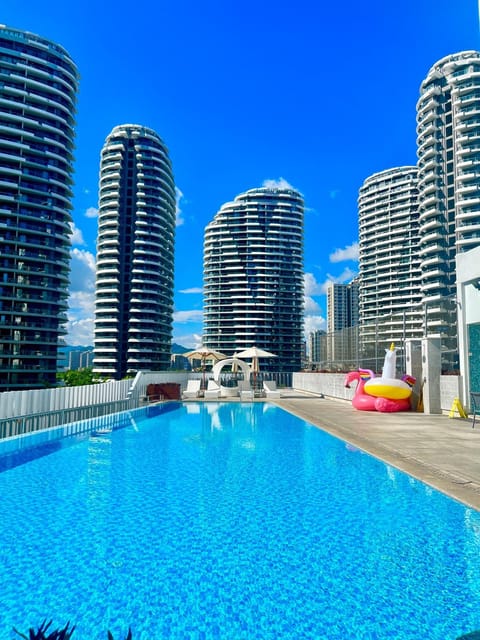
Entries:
{"x":20,"y":425}
{"x":282,"y":378}
{"x":364,"y":345}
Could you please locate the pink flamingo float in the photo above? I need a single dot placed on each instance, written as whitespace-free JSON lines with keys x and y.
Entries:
{"x":361,"y":400}
{"x":372,"y":396}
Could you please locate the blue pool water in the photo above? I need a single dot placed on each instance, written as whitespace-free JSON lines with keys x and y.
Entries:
{"x":229,"y":520}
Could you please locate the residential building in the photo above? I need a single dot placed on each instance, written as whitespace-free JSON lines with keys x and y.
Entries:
{"x":342,"y":305}
{"x":135,"y":254}
{"x":390,"y":296}
{"x":342,"y":316}
{"x":448,"y":140}
{"x":74,"y":358}
{"x":317,"y":350}
{"x":253,"y":276}
{"x":38,"y":87}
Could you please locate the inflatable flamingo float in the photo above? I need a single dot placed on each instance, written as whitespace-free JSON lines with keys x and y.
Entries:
{"x":385,"y":393}
{"x":361,"y":400}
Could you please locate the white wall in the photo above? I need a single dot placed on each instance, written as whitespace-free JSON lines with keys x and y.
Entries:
{"x":468,"y":301}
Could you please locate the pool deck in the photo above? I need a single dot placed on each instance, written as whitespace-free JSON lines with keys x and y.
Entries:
{"x":443,"y":452}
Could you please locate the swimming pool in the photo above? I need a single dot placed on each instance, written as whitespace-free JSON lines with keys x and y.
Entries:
{"x":229,"y":520}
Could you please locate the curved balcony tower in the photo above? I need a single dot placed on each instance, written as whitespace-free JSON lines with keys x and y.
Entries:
{"x":253,"y":276}
{"x":135,"y":254}
{"x":390,"y":296}
{"x":38,"y":88}
{"x":448,"y":141}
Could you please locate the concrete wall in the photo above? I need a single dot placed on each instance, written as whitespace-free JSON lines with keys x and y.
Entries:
{"x":333,"y":386}
{"x":328,"y":384}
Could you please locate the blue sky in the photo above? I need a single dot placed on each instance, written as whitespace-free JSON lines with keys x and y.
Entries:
{"x":315,"y":93}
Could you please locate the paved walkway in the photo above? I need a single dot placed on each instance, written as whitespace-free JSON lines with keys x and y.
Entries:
{"x":442,"y":452}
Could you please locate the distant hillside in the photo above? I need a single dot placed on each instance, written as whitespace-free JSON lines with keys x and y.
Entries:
{"x":177,"y":348}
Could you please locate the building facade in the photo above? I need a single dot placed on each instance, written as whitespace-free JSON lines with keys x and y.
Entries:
{"x":342,"y":305}
{"x":253,"y":276}
{"x":390,"y":297}
{"x":135,"y":254}
{"x":448,"y":148}
{"x":317,"y":347}
{"x":38,"y":88}
{"x":342,"y":317}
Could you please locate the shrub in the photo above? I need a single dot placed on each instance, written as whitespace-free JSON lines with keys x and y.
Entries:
{"x":59,"y":634}
{"x":41,"y":632}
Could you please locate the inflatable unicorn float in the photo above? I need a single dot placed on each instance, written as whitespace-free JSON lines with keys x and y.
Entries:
{"x":385,"y":393}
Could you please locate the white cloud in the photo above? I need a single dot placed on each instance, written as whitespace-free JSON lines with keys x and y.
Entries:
{"x":191,"y":340}
{"x":83,"y":302}
{"x":178,"y":213}
{"x":80,"y":332}
{"x":314,"y":323}
{"x":334,"y":193}
{"x":281,"y":183}
{"x":77,"y":236}
{"x":80,"y":323}
{"x":91,"y":212}
{"x":348,"y":253}
{"x":192,"y":290}
{"x":311,"y":306}
{"x":313,"y":319}
{"x":312,"y":287}
{"x":346,"y":276}
{"x":82,"y":298}
{"x":195,"y":315}
{"x":82,"y":273}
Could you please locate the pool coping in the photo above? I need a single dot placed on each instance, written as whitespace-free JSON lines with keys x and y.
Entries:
{"x":442,"y":452}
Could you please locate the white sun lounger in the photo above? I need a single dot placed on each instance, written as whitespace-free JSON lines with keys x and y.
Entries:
{"x":246,"y":391}
{"x":270,"y":388}
{"x":192,"y":390}
{"x":212,"y":390}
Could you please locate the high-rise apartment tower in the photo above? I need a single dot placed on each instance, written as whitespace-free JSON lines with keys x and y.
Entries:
{"x":342,"y":321}
{"x":38,"y":86}
{"x":253,"y":276}
{"x":342,"y":305}
{"x":389,"y":296}
{"x":317,"y":347}
{"x":448,"y":140}
{"x":135,"y":254}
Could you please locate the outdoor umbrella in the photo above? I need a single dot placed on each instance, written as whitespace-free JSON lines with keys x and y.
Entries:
{"x":255,"y":353}
{"x":204,"y":354}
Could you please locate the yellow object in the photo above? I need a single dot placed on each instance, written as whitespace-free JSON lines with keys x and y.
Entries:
{"x":457,"y":406}
{"x":420,"y":401}
{"x":390,"y":388}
